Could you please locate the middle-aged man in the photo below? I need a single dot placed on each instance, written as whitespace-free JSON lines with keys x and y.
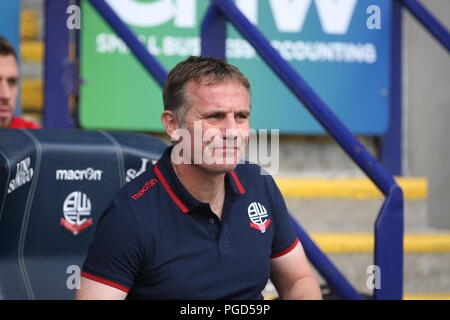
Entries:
{"x":199,"y":224}
{"x":9,"y":89}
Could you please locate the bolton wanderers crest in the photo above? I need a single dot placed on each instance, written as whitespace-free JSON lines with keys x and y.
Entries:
{"x":76,"y":209}
{"x":258,"y":217}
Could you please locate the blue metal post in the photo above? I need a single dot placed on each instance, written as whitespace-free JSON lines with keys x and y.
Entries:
{"x":389,"y":247}
{"x":56,"y":98}
{"x":214,"y":28}
{"x":391,"y":141}
{"x":138,"y":49}
{"x":428,"y":21}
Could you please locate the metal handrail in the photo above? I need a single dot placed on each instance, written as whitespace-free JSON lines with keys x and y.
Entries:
{"x":139,"y":50}
{"x":430,"y":23}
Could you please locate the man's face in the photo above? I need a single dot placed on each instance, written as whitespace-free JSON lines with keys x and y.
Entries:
{"x":222,"y":112}
{"x":9,"y":79}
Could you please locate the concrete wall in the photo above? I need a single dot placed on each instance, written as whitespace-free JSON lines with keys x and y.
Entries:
{"x":426,"y":106}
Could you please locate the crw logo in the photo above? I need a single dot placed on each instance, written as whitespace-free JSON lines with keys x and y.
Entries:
{"x":289,"y":15}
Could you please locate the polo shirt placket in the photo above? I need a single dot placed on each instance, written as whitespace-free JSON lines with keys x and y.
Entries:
{"x":202,"y":212}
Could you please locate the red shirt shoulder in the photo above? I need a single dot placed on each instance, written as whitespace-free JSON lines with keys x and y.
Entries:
{"x":19,"y":123}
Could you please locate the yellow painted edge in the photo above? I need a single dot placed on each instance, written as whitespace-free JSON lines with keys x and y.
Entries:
{"x":28,"y":24}
{"x":364,"y":243}
{"x":32,"y":95}
{"x":352,"y":188}
{"x":427,"y":296}
{"x":32,"y":50}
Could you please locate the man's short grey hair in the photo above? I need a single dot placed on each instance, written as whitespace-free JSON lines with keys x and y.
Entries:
{"x":6,"y":48}
{"x":199,"y":70}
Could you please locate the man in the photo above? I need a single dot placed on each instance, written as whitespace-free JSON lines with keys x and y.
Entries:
{"x":198,"y":225}
{"x":9,"y":89}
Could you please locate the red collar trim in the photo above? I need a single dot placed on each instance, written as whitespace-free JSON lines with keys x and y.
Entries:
{"x":238,"y":183}
{"x":169,"y":189}
{"x":175,"y":197}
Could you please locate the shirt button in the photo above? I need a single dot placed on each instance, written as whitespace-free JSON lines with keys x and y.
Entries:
{"x":212,"y":220}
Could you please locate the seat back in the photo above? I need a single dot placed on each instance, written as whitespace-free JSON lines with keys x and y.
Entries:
{"x":54,"y":185}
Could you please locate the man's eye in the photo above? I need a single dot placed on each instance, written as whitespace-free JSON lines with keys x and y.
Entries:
{"x":12,"y":82}
{"x":242,"y":116}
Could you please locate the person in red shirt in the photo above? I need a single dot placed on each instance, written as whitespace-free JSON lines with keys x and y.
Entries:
{"x":9,"y":89}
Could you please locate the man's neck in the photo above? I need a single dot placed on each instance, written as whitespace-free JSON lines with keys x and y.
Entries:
{"x":4,"y":123}
{"x":205,"y":187}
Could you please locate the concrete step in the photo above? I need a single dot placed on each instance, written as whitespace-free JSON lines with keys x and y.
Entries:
{"x":32,"y":55}
{"x":328,"y":215}
{"x":423,"y":273}
{"x":32,"y":50}
{"x":426,"y":274}
{"x":32,"y":95}
{"x":31,"y":19}
{"x":37,"y":5}
{"x":343,"y":229}
{"x":426,"y":260}
{"x":30,"y":24}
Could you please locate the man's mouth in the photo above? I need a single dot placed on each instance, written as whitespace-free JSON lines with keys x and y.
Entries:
{"x":226,"y":149}
{"x":4,"y":111}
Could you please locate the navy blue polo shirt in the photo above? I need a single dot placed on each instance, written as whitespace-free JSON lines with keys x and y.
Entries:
{"x":156,"y":241}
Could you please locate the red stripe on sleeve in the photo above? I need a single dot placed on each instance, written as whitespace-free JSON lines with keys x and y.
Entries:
{"x":104,"y":281}
{"x":282,"y":253}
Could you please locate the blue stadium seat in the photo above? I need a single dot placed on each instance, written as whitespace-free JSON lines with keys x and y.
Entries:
{"x":54,"y":185}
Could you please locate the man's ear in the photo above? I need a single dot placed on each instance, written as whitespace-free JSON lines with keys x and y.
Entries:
{"x":171,"y":125}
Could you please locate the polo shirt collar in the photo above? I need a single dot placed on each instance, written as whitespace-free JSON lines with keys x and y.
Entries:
{"x":186,"y":202}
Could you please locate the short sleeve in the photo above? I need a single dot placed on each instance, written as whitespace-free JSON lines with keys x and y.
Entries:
{"x":285,"y":239}
{"x":115,"y":254}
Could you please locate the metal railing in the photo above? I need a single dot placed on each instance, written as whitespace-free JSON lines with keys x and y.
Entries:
{"x":428,"y":21}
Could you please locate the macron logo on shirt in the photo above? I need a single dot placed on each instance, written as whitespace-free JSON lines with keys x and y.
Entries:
{"x":144,"y":188}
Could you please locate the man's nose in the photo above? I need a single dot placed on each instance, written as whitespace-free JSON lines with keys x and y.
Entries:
{"x":230,"y":122}
{"x":231,"y":129}
{"x":5,"y":90}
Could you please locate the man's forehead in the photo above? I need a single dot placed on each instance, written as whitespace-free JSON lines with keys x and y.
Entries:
{"x":8,"y":66}
{"x":195,"y":85}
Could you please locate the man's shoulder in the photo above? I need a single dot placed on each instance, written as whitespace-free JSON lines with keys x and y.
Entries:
{"x":138,"y":187}
{"x":20,"y":123}
{"x":139,"y":199}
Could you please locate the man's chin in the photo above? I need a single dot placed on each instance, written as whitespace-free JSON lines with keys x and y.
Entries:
{"x":219,"y":168}
{"x":5,"y":120}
